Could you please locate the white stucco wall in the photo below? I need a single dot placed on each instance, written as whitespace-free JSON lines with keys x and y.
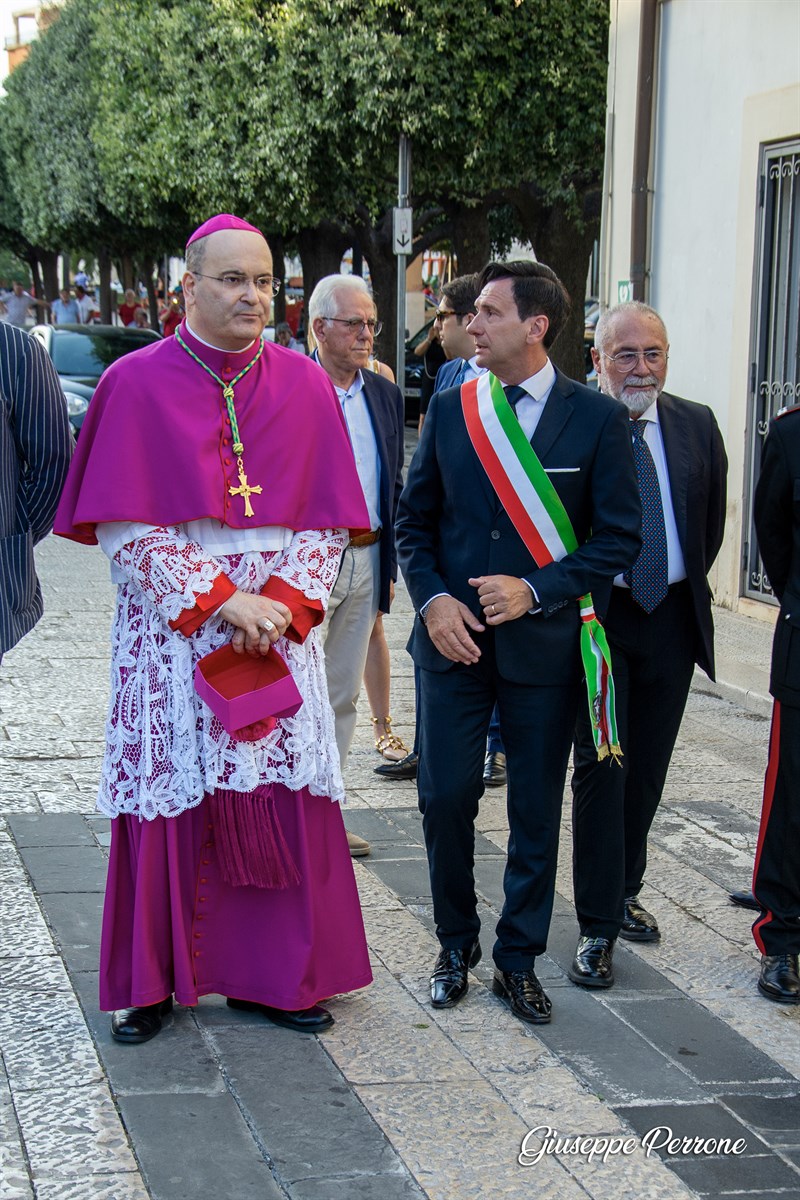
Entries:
{"x":727,"y":79}
{"x":713,"y":55}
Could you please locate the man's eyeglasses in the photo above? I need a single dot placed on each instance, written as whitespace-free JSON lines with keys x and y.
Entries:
{"x":627,"y":359}
{"x":441,"y":315}
{"x":356,"y":325}
{"x":234,"y":283}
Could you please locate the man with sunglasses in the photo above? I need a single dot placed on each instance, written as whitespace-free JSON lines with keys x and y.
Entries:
{"x":658,"y":624}
{"x":343,"y":321}
{"x":456,"y":310}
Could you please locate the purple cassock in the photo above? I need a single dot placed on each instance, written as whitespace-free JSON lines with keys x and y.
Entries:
{"x":151,"y":482}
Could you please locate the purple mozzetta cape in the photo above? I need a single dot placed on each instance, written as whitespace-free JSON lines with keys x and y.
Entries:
{"x":155,"y":446}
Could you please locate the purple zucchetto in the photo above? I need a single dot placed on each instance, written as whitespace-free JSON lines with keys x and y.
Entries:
{"x":221,"y":221}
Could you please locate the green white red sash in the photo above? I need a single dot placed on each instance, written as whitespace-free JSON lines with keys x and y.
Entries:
{"x":539,"y":517}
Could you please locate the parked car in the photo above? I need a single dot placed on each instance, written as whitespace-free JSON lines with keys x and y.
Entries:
{"x":81,"y":353}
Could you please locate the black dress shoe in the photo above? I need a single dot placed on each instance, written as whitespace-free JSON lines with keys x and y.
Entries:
{"x":139,"y":1024}
{"x":745,"y":899}
{"x":592,"y":965}
{"x":449,"y":981}
{"x":494,"y":769}
{"x":406,"y":768}
{"x":524,"y":995}
{"x":306,"y":1020}
{"x":639,"y":925}
{"x":779,"y":979}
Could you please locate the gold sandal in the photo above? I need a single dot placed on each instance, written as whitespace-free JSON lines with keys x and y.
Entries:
{"x":389,"y":745}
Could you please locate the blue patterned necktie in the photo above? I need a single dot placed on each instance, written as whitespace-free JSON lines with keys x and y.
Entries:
{"x":648,"y":577}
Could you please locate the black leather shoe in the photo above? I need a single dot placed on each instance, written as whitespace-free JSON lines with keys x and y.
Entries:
{"x":524,"y":995}
{"x":494,"y":769}
{"x":779,"y":979}
{"x":449,"y":982}
{"x":592,"y":965}
{"x":639,"y":925}
{"x":139,"y":1024}
{"x":745,"y":899}
{"x":406,"y":768}
{"x":306,"y":1020}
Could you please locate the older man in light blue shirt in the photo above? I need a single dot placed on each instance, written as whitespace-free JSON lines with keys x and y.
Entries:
{"x":344,"y":325}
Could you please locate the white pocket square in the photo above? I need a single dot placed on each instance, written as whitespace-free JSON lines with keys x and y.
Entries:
{"x":561,"y":470}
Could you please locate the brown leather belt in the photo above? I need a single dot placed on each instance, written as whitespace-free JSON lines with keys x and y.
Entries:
{"x":365,"y":539}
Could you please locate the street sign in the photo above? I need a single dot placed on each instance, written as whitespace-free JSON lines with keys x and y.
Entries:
{"x":403,"y":230}
{"x":624,"y":291}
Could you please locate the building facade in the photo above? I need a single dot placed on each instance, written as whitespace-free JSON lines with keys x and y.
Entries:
{"x":701,"y":219}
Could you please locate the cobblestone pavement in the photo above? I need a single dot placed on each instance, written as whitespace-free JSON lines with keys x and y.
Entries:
{"x":396,"y":1100}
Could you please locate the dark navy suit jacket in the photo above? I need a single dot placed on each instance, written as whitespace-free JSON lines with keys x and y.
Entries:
{"x":777,"y":516}
{"x":35,"y":449}
{"x":387,"y":413}
{"x":451,"y":526}
{"x":450,"y":374}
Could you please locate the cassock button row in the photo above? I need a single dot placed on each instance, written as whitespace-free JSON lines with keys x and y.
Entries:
{"x":227,"y":462}
{"x":204,"y":881}
{"x":197,"y":953}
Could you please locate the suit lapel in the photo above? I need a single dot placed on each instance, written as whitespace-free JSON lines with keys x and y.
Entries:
{"x":557,"y":411}
{"x":374,"y":409}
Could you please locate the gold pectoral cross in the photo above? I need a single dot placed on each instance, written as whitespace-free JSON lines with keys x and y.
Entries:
{"x":245,"y":491}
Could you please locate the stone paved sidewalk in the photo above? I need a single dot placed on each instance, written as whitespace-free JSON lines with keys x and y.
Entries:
{"x":396,"y":1101}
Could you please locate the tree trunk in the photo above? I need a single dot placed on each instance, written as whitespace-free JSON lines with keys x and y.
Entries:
{"x":147,"y":268}
{"x":472,"y":242}
{"x":376,"y":242}
{"x":32,"y":259}
{"x":564,"y":244}
{"x":276,"y":245}
{"x":49,"y":264}
{"x":127,"y":274}
{"x":320,"y":251}
{"x":104,"y":271}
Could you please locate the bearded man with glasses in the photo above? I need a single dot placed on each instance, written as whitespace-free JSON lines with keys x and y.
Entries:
{"x":658,"y":624}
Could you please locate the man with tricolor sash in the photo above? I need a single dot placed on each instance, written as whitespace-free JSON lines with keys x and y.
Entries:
{"x":521,"y":500}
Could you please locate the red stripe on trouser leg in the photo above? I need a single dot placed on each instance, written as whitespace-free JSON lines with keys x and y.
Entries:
{"x":771,"y":776}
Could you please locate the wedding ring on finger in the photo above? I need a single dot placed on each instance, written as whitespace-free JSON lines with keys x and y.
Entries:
{"x":494,"y":610}
{"x":268,"y":625}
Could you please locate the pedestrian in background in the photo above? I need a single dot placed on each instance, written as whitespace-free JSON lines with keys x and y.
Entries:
{"x":19,"y":304}
{"x":65,"y":310}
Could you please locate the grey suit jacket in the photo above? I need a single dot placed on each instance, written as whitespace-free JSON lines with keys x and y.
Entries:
{"x":35,"y":449}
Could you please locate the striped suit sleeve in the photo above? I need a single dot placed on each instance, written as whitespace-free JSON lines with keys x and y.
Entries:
{"x":42,"y":435}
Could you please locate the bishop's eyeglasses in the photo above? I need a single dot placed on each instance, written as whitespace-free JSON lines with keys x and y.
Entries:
{"x":235,"y":283}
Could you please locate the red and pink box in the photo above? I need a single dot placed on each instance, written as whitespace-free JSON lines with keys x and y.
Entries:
{"x":246,"y":694}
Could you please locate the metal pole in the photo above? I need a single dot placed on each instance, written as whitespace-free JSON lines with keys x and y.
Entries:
{"x":403,"y":171}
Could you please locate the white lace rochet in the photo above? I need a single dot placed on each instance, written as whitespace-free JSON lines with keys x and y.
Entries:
{"x":164,"y":747}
